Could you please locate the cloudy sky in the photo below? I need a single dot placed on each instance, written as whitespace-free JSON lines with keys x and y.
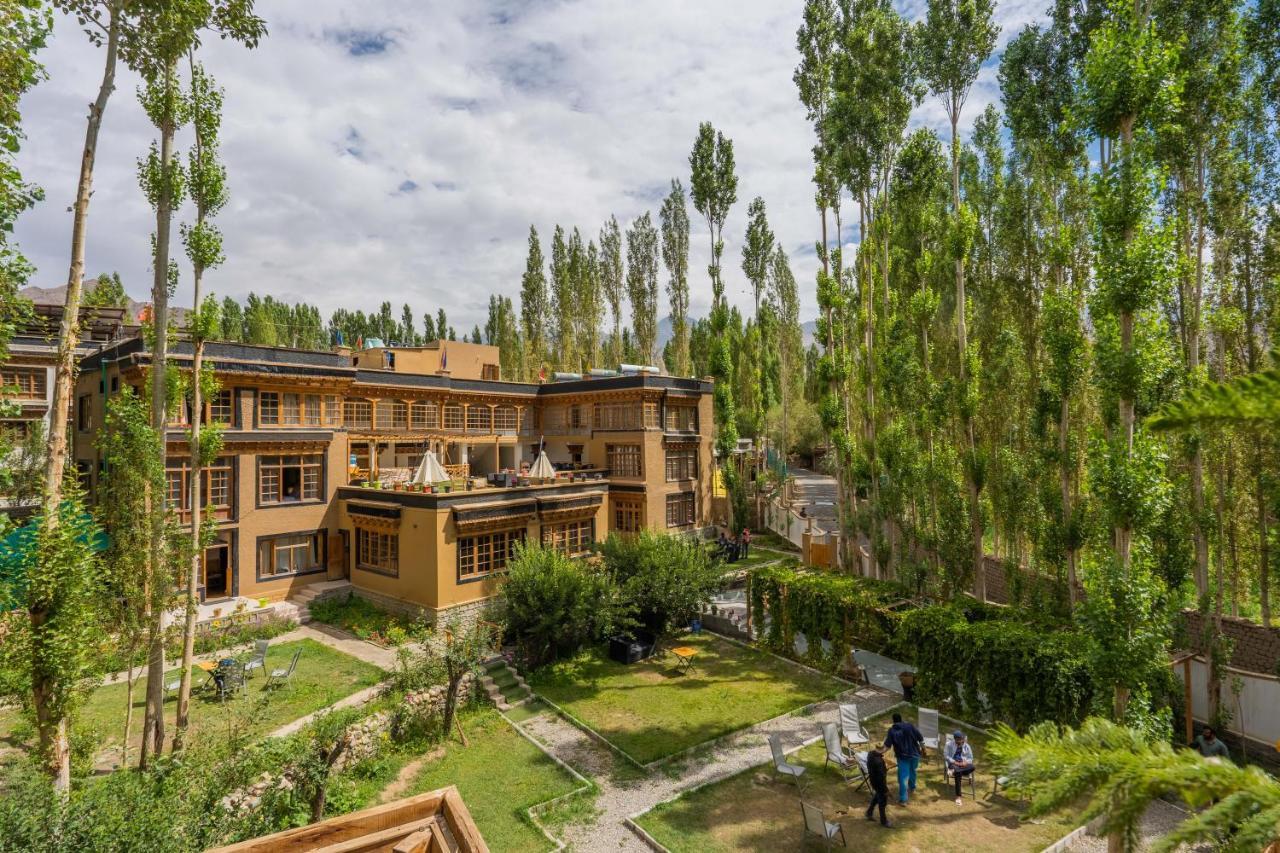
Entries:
{"x":400,"y":150}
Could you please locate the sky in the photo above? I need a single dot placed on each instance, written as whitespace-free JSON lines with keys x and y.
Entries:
{"x":397,"y":150}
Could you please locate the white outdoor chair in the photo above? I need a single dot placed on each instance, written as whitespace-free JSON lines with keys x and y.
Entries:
{"x":259,"y":659}
{"x":929,"y":728}
{"x":280,"y":677}
{"x":784,"y":767}
{"x":851,"y":727}
{"x":835,"y":755}
{"x":860,"y":758}
{"x":816,"y":823}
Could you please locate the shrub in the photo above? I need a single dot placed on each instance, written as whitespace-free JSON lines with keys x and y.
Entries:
{"x":664,"y":580}
{"x":554,"y":604}
{"x":363,"y":618}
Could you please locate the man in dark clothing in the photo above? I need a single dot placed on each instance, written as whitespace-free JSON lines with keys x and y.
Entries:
{"x":906,"y":741}
{"x":1209,"y":746}
{"x":877,"y":775}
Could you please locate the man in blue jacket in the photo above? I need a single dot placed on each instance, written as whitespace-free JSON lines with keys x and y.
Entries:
{"x":906,"y":741}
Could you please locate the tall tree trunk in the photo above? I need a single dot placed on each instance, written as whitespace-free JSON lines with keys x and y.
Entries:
{"x":1192,"y":322}
{"x":1064,"y":429}
{"x":196,"y":497}
{"x":51,"y":725}
{"x":153,"y":725}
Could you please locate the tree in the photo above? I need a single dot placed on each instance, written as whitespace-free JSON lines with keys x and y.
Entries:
{"x":664,"y":581}
{"x":206,"y":178}
{"x":408,"y":328}
{"x":955,"y":39}
{"x":589,"y":304}
{"x":675,"y":255}
{"x":553,"y":604}
{"x":786,"y":301}
{"x":534,"y":307}
{"x":612,"y":281}
{"x":108,"y":292}
{"x":642,"y":285}
{"x":562,"y":308}
{"x":233,"y":320}
{"x":757,"y":253}
{"x":1122,"y":772}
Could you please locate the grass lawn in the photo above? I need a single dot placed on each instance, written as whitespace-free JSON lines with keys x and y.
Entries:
{"x":323,"y":677}
{"x":754,"y":811}
{"x":650,"y":711}
{"x":499,"y":776}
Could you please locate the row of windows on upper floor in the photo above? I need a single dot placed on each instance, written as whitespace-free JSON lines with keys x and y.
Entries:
{"x":292,"y":409}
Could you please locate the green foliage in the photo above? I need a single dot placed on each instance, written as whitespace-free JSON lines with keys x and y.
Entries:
{"x":663,"y":581}
{"x":554,"y":604}
{"x":361,"y":617}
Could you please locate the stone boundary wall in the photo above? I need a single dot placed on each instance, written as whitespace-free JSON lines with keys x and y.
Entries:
{"x":1257,"y":649}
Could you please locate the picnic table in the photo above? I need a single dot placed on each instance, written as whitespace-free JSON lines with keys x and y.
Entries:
{"x":684,"y":658}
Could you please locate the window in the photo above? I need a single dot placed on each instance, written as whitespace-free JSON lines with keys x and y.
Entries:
{"x":332,"y":410}
{"x":682,"y":463}
{"x":84,"y":413}
{"x":628,"y":516}
{"x":23,"y":383}
{"x":220,"y":407}
{"x":505,"y":419}
{"x":489,"y":371}
{"x":577,"y":420}
{"x":651,"y":416}
{"x":291,"y":409}
{"x":378,"y":551}
{"x":311,"y":410}
{"x":571,"y":537}
{"x":426,"y":416}
{"x":391,"y":414}
{"x":486,"y":553}
{"x":452,"y":416}
{"x":479,"y":419}
{"x":289,"y":555}
{"x":357,"y":414}
{"x":624,"y":460}
{"x":616,"y":415}
{"x":288,"y":479}
{"x":269,"y":408}
{"x":681,"y":509}
{"x":682,"y":418}
{"x":215,"y":482}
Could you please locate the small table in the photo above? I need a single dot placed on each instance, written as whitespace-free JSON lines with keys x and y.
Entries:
{"x":208,"y":667}
{"x":684,"y":658}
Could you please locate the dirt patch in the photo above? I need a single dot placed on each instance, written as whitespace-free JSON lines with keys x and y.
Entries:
{"x":404,"y":779}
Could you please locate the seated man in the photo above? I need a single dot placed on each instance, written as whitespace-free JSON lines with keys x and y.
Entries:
{"x":1209,"y":746}
{"x":959,"y":756}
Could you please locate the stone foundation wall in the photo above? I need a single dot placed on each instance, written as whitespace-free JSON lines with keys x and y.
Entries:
{"x":466,"y":614}
{"x":1257,"y":649}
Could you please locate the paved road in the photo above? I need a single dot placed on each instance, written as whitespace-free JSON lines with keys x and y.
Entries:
{"x":817,"y":493}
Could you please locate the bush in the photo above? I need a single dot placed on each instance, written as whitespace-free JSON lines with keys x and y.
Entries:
{"x":554,"y":604}
{"x":362,"y":617}
{"x":664,"y":580}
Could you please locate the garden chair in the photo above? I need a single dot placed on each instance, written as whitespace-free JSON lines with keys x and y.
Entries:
{"x":835,"y":755}
{"x":929,"y":728}
{"x":171,"y":686}
{"x":782,"y":766}
{"x":816,"y":823}
{"x":851,"y":727}
{"x":259,"y":659}
{"x":230,"y":679}
{"x":280,"y":677}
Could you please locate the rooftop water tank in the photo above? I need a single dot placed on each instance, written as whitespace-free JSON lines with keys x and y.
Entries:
{"x":565,"y":377}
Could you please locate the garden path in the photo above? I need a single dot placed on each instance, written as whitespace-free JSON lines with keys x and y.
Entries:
{"x":626,"y":790}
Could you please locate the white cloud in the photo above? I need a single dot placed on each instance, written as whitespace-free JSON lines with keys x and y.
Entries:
{"x":399,"y":150}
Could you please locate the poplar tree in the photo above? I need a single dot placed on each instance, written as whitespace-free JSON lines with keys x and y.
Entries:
{"x":675,"y":255}
{"x":955,"y":40}
{"x":757,"y":252}
{"x":562,"y":300}
{"x":642,"y":285}
{"x":589,"y":304}
{"x":206,"y":179}
{"x":786,"y":300}
{"x":533,"y":304}
{"x":613,"y":283}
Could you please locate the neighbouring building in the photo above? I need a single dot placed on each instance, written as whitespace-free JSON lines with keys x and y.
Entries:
{"x":305,"y":431}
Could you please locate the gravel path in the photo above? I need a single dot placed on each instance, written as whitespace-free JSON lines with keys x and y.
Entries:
{"x":626,"y":790}
{"x":1161,"y":817}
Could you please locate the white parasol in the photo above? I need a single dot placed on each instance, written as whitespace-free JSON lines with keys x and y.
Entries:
{"x":542,"y":469}
{"x":430,"y":471}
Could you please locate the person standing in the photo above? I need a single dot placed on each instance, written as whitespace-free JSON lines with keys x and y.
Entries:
{"x":959,"y":756}
{"x":746,"y":542}
{"x":878,"y":777}
{"x":1208,"y":744}
{"x":906,"y":741}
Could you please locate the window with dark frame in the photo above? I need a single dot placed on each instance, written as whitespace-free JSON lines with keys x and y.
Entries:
{"x":624,"y":460}
{"x":23,"y":383}
{"x":682,"y":463}
{"x":269,"y":408}
{"x":682,"y":418}
{"x":681,"y":509}
{"x":290,"y":555}
{"x":627,"y":516}
{"x":487,"y":553}
{"x":572,"y":538}
{"x":220,"y":407}
{"x":288,"y":479}
{"x":84,"y":413}
{"x":378,"y":551}
{"x":215,"y":482}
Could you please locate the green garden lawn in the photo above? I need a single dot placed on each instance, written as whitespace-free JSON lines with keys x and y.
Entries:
{"x":323,"y":677}
{"x":756,"y":811}
{"x":499,"y":775}
{"x":650,"y":711}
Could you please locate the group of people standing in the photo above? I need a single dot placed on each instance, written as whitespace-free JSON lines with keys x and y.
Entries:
{"x":908,"y":746}
{"x":733,"y":550}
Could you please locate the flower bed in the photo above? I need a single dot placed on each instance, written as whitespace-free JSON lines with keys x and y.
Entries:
{"x":363,"y":618}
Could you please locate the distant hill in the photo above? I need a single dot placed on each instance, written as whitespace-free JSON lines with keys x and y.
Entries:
{"x":58,"y":296}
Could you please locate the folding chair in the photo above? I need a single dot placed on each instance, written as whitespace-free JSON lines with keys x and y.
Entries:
{"x":929,"y":728}
{"x":259,"y":659}
{"x":816,"y":823}
{"x":279,"y":677}
{"x":851,"y":726}
{"x":784,"y":767}
{"x":835,"y":755}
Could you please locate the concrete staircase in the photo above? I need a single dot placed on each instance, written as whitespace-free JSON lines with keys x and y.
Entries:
{"x":504,"y":685}
{"x":309,"y":594}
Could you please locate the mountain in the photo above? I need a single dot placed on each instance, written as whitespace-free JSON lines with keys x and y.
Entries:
{"x":58,"y":296}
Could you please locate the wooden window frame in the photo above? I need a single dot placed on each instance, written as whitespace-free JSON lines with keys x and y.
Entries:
{"x":318,"y":541}
{"x":351,"y":409}
{"x":391,"y":415}
{"x":424,"y":415}
{"x":24,"y":383}
{"x":681,"y":464}
{"x":447,"y":417}
{"x":573,"y":538}
{"x":275,"y":471}
{"x":682,"y":509}
{"x":483,"y":555}
{"x":624,"y":460}
{"x":269,"y":408}
{"x":374,"y":545}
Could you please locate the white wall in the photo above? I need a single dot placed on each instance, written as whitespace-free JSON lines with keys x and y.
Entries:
{"x":1256,"y":712}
